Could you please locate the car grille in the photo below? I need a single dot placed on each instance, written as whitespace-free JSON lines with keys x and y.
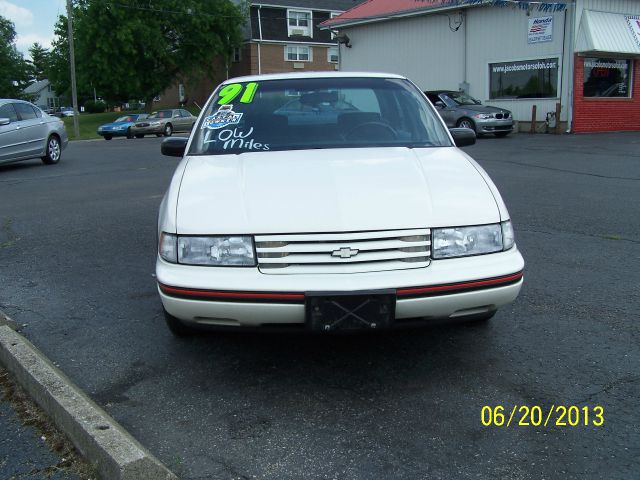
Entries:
{"x":344,"y":252}
{"x":142,"y":124}
{"x":502,"y":115}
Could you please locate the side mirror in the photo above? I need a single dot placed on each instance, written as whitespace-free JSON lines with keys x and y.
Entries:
{"x":439,"y":104}
{"x":5,"y":121}
{"x":174,"y":146}
{"x":463,"y":137}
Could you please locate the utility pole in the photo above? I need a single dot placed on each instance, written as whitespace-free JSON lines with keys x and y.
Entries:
{"x":74,"y":90}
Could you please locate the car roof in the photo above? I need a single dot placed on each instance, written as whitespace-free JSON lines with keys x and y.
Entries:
{"x":437,"y":92}
{"x":301,"y":75}
{"x":7,"y":100}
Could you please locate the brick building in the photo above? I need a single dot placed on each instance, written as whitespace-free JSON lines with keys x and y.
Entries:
{"x":279,"y":36}
{"x":283,"y":36}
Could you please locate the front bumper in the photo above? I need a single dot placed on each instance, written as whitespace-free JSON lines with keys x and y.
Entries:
{"x":147,"y":130}
{"x":113,"y":133}
{"x":240,"y":297}
{"x":493,"y":125}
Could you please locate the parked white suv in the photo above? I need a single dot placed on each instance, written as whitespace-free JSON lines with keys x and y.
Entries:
{"x":331,"y":201}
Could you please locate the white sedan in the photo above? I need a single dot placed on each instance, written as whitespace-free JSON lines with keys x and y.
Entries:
{"x":357,"y":212}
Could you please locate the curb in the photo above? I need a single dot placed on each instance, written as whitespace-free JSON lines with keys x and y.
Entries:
{"x":98,"y":437}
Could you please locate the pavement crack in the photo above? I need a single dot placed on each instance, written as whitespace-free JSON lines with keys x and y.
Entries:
{"x":564,"y":170}
{"x":599,"y":236}
{"x":7,"y":230}
{"x":609,"y":386}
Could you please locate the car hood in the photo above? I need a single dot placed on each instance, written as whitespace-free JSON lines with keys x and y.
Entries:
{"x":483,"y":108}
{"x":332,"y":190}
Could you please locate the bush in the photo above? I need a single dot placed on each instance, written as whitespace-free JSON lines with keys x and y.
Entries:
{"x":95,"y":107}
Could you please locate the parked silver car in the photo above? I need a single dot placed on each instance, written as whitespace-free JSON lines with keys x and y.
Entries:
{"x":164,"y":122}
{"x":458,"y":109}
{"x":27,"y":132}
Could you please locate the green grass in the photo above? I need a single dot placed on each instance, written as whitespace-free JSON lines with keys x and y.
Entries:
{"x":89,"y":123}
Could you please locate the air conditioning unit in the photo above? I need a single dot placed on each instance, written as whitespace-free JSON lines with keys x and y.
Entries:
{"x":297,"y":31}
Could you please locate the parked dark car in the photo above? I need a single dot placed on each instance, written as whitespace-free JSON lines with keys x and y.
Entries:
{"x":461,"y":110}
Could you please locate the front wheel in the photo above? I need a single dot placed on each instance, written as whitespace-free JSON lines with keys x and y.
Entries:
{"x":466,"y":123}
{"x":108,"y":137}
{"x":176,"y":326}
{"x":129,"y":134}
{"x":53,"y":151}
{"x":168,"y":130}
{"x":139,"y":135}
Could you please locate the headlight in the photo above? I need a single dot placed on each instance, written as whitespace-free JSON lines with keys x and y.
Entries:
{"x":155,"y":124}
{"x":483,"y":116}
{"x":118,"y":128}
{"x":508,"y":237}
{"x":212,"y":251}
{"x":465,"y":241}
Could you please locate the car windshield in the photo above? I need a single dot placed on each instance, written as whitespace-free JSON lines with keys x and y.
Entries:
{"x":127,"y":118}
{"x":161,"y":114}
{"x":314,"y":113}
{"x":462,"y":98}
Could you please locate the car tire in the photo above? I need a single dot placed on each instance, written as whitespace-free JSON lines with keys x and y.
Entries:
{"x":108,"y":137}
{"x":168,"y":130}
{"x":501,"y":134}
{"x":139,"y":135}
{"x":129,"y":134}
{"x":176,"y":326}
{"x":158,"y":134}
{"x":466,"y":123}
{"x":53,"y":151}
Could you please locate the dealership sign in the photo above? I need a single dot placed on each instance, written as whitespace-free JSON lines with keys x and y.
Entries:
{"x":634,"y":25}
{"x":540,"y":30}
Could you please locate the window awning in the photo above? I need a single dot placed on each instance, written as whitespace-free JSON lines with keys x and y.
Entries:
{"x":602,"y":32}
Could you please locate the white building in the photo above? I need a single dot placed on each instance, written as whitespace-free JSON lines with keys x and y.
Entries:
{"x":43,"y":95}
{"x":583,"y":54}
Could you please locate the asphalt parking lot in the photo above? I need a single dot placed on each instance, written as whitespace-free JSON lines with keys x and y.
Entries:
{"x":77,"y":253}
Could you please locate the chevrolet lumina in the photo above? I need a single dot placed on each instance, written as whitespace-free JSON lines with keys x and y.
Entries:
{"x":329,"y":201}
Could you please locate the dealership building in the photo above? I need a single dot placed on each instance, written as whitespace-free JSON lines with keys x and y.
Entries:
{"x":581,"y":54}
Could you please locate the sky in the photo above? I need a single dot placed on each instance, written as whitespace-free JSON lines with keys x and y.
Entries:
{"x":33,"y":19}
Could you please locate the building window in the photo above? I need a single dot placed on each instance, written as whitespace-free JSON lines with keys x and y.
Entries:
{"x":299,"y":23}
{"x":527,"y":79}
{"x":237,"y":55}
{"x":332,"y":54}
{"x":607,"y":77}
{"x":295,"y":53}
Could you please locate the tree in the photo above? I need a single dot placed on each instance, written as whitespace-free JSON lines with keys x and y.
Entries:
{"x":39,"y":64}
{"x":13,"y":67}
{"x":139,"y":49}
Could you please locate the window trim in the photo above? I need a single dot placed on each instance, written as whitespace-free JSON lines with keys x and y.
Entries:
{"x":236,"y":55}
{"x":630,"y":75}
{"x":334,"y":15}
{"x":560,"y":60}
{"x":337,"y":49}
{"x":286,"y":53}
{"x":307,"y":31}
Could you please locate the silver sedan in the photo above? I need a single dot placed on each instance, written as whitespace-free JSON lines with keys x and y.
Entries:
{"x":164,"y":122}
{"x":27,"y":132}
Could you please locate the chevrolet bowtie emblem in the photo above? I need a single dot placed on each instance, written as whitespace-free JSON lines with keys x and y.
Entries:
{"x":344,"y":253}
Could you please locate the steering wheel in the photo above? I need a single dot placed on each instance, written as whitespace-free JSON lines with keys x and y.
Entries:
{"x":372,"y":131}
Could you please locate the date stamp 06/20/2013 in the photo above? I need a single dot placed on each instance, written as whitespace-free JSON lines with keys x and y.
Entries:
{"x":536,"y":416}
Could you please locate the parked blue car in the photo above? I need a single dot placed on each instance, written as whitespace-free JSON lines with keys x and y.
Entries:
{"x":121,"y":127}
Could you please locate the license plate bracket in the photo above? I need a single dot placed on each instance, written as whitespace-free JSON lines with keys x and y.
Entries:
{"x":350,"y":311}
